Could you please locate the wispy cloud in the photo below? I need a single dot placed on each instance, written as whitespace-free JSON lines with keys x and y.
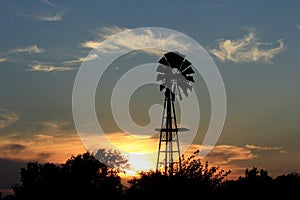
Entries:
{"x":144,"y":38}
{"x":246,"y":49}
{"x":47,"y":11}
{"x":3,"y":60}
{"x":30,"y":49}
{"x":234,"y":158}
{"x":106,"y":32}
{"x":50,"y":18}
{"x":265,"y":148}
{"x":103,"y":33}
{"x":224,"y":154}
{"x":298,"y":26}
{"x":56,"y":149}
{"x":14,"y":148}
{"x":48,"y":3}
{"x":82,"y":59}
{"x":7,"y":117}
{"x":39,"y":67}
{"x":91,"y":44}
{"x":53,"y":141}
{"x":53,"y":127}
{"x":43,"y":136}
{"x":58,"y":10}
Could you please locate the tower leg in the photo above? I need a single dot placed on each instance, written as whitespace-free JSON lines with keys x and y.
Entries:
{"x":168,"y":134}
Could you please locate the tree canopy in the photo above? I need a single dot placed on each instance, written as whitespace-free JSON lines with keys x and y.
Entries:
{"x":89,"y":176}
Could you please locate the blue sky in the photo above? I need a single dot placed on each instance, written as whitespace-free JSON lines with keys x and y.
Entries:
{"x":255,"y":45}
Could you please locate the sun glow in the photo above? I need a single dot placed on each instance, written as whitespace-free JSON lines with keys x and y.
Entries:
{"x":140,"y":162}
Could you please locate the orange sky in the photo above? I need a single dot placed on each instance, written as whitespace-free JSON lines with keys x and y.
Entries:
{"x":141,"y":152}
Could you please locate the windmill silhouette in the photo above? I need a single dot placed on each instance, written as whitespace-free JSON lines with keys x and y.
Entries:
{"x":175,"y":74}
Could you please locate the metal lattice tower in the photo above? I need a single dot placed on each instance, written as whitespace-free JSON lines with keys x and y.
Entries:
{"x":175,"y":73}
{"x":168,"y":136}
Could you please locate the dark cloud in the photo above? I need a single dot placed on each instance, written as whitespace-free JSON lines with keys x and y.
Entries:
{"x":44,"y":155}
{"x":12,"y":148}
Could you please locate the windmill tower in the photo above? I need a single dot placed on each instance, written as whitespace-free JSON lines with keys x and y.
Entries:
{"x":174,"y":73}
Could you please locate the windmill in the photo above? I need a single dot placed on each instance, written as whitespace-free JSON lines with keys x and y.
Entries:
{"x":175,"y":74}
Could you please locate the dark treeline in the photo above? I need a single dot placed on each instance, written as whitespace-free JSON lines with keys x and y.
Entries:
{"x":86,"y":177}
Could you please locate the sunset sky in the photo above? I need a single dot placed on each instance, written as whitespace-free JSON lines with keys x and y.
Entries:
{"x":255,"y":46}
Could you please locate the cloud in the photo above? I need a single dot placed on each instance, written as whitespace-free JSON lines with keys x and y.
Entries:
{"x":145,"y":38}
{"x":82,"y":59}
{"x":47,"y":11}
{"x":39,"y":130}
{"x":39,"y":67}
{"x":44,"y":156}
{"x":224,"y":154}
{"x":49,"y":141}
{"x":14,"y":148}
{"x":58,"y":16}
{"x":43,"y":136}
{"x":298,"y":26}
{"x":48,"y":3}
{"x":50,"y":18}
{"x":30,"y":49}
{"x":48,"y":128}
{"x":247,"y":49}
{"x":106,"y":32}
{"x":264,"y":148}
{"x":56,"y":150}
{"x":7,"y":118}
{"x":3,"y":60}
{"x":91,"y":44}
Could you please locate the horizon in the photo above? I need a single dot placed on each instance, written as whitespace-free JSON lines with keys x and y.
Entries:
{"x":46,"y":43}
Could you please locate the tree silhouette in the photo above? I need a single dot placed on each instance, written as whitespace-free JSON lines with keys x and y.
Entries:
{"x":193,"y":178}
{"x":287,"y":185}
{"x":113,"y":159}
{"x":85,"y":177}
{"x":82,"y":176}
{"x":258,"y":184}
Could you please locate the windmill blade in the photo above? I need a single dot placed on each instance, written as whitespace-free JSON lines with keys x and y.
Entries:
{"x":165,"y":85}
{"x":160,"y":77}
{"x":185,"y":65}
{"x":184,"y":86}
{"x":189,"y":70}
{"x":166,"y":70}
{"x":189,"y":87}
{"x":161,"y":69}
{"x":184,"y":90}
{"x":161,"y":87}
{"x":174,"y":59}
{"x":175,"y":81}
{"x":163,"y":61}
{"x":190,"y":78}
{"x":179,"y":93}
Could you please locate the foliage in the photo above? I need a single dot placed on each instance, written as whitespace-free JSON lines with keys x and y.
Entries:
{"x":82,"y":176}
{"x":113,"y":159}
{"x":85,"y":177}
{"x":194,"y":177}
